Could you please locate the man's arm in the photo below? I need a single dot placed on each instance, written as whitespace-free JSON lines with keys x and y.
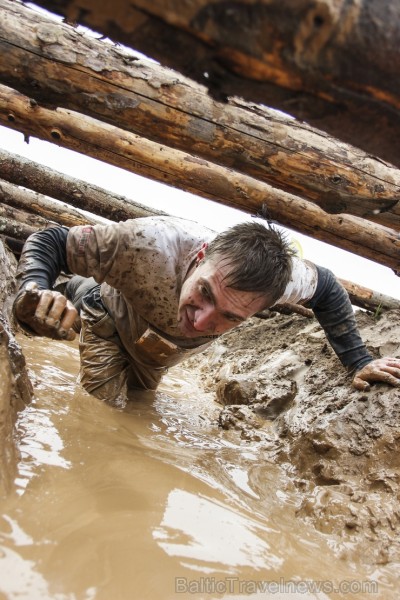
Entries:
{"x":332,"y":308}
{"x":37,"y":306}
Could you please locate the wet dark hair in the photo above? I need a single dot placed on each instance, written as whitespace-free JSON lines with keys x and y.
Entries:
{"x":259,"y":257}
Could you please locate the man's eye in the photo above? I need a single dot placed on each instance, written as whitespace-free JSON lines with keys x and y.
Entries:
{"x":233,"y":319}
{"x":204,"y":292}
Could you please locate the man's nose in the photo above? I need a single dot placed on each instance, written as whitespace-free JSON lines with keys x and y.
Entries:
{"x":204,"y":318}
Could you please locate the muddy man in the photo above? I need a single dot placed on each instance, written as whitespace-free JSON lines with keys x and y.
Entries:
{"x":149,"y":292}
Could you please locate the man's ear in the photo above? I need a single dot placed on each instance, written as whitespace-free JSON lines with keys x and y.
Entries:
{"x":201,"y":253}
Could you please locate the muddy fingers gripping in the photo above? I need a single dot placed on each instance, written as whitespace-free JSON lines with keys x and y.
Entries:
{"x":385,"y":370}
{"x":46,"y":312}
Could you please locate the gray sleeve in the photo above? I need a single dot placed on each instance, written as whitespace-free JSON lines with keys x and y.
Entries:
{"x":332,"y":308}
{"x":43,"y":258}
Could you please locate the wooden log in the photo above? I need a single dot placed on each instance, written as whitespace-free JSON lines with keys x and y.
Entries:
{"x":176,"y":168}
{"x":32,"y":202}
{"x":24,"y":218}
{"x":76,"y":192}
{"x":57,"y":65}
{"x":369,"y":299}
{"x":332,"y":63}
{"x":360,"y":296}
{"x":14,"y":229}
{"x":286,"y":309}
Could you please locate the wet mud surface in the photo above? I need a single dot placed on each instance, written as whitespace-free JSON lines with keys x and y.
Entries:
{"x":15,"y":387}
{"x":338,"y":446}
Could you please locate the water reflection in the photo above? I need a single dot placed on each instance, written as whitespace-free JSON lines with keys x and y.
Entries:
{"x":196,"y":527}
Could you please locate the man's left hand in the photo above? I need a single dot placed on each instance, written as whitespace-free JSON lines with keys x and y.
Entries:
{"x":385,"y":370}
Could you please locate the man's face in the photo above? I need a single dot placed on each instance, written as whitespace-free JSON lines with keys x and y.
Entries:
{"x":207,"y":306}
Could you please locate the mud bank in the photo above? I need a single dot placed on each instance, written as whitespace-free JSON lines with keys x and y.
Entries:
{"x":15,"y":388}
{"x":279,"y":383}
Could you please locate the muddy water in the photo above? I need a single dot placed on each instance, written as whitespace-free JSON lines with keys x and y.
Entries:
{"x":153,"y":502}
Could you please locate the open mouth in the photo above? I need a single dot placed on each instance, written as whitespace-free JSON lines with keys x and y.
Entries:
{"x":185,"y":323}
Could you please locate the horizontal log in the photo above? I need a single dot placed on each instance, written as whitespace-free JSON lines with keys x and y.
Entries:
{"x":14,"y":229}
{"x":31,"y":220}
{"x":76,"y":192}
{"x":369,"y":299}
{"x":286,"y":309}
{"x":360,"y":296}
{"x":332,"y":63}
{"x":176,"y":168}
{"x":57,"y":65}
{"x":32,"y":202}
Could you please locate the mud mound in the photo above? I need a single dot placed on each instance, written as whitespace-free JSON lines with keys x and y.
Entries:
{"x":15,"y":387}
{"x":279,"y":383}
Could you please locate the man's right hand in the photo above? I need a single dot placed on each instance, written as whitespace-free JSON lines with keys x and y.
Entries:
{"x":46,"y":312}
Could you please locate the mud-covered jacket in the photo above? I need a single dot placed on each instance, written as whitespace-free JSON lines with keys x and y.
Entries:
{"x":141,"y":265}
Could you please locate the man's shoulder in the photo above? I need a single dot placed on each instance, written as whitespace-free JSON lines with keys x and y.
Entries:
{"x":173,"y":227}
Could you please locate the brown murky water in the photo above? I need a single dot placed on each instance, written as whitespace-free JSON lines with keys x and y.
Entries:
{"x":154,"y":502}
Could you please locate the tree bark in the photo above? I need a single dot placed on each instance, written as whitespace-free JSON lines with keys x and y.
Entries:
{"x":332,"y":63}
{"x":176,"y":168}
{"x":369,"y":299}
{"x":14,"y":229}
{"x":25,"y":218}
{"x":22,"y":171}
{"x":56,"y":65}
{"x":38,"y":204}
